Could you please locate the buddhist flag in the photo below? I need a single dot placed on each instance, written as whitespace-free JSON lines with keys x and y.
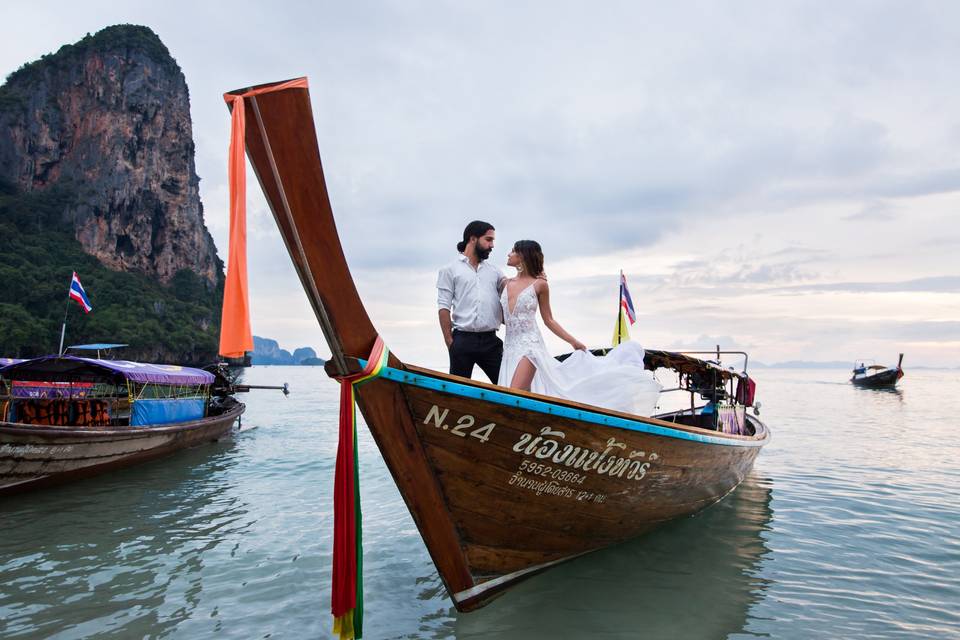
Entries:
{"x":620,"y":331}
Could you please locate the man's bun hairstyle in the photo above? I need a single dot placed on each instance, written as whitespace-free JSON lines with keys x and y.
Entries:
{"x":475,"y":229}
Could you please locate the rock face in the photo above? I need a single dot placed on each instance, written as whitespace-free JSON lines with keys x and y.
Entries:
{"x":303,"y":353}
{"x":268,"y":351}
{"x":110,"y":117}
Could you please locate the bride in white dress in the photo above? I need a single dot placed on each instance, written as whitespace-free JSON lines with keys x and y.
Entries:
{"x":616,"y":381}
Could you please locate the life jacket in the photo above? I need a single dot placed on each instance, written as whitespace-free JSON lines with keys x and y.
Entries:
{"x":81,"y":413}
{"x":60,"y":413}
{"x":99,"y":413}
{"x":34,"y":412}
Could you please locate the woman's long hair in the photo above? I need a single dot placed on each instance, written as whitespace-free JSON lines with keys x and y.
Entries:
{"x":476,"y":229}
{"x":532,"y":256}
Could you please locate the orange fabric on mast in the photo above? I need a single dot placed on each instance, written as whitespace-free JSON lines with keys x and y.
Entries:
{"x":236,"y":337}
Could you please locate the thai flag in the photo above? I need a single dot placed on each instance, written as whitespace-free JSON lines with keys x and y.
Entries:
{"x":78,"y":294}
{"x":625,"y":301}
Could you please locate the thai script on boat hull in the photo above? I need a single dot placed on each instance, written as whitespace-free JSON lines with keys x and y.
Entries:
{"x":548,"y":446}
{"x":26,"y":449}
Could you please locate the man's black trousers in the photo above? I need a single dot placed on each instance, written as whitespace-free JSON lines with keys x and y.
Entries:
{"x":483,"y":349}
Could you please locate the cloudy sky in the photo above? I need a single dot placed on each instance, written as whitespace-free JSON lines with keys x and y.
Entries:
{"x":777,"y":177}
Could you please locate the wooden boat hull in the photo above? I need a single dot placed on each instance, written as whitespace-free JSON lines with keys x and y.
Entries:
{"x":33,"y":457}
{"x":493,"y":504}
{"x":883,"y":379}
{"x":527,"y":482}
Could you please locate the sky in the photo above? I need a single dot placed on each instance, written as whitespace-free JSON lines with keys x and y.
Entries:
{"x":781,"y":178}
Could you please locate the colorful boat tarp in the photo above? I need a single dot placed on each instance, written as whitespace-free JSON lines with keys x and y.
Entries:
{"x":72,"y":368}
{"x":49,"y":390}
{"x":164,"y":411}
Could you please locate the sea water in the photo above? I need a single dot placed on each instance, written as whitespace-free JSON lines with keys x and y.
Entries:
{"x":848,"y":527}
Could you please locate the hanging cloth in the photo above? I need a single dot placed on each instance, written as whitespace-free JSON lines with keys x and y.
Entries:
{"x":236,"y":338}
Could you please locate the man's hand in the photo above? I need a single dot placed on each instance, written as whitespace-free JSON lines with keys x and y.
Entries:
{"x":446,"y":327}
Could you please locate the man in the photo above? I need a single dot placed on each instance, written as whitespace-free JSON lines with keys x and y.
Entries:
{"x":468,"y":294}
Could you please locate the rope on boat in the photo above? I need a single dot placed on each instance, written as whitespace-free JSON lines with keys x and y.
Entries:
{"x":347,"y":590}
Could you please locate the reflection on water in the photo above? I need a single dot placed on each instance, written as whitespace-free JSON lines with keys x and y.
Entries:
{"x":708,"y":562}
{"x":845,"y":529}
{"x":890,"y":391}
{"x":107,"y":552}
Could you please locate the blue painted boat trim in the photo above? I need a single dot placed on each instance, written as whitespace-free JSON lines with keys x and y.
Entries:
{"x":498,"y":397}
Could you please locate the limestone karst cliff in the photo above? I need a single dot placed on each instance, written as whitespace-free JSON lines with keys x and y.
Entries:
{"x":97,"y":176}
{"x":110,"y":115}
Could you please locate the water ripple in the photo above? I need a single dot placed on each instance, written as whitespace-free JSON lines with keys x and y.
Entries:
{"x":846,"y":529}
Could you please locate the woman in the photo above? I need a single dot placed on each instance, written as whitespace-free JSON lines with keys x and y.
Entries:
{"x":616,"y":381}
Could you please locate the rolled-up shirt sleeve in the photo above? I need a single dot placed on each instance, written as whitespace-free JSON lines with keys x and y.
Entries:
{"x":445,"y":289}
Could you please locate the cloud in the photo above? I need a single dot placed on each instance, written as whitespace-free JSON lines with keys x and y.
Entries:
{"x":735,"y":163}
{"x":937,"y":284}
{"x":875,"y":212}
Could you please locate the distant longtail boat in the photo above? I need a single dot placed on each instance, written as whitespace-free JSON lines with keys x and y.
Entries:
{"x":877,"y":376}
{"x":64,"y":417}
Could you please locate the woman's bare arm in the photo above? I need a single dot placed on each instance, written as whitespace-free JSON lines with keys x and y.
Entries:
{"x":543,"y":296}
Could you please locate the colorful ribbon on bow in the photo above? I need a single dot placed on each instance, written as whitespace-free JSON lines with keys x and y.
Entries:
{"x":347,"y":593}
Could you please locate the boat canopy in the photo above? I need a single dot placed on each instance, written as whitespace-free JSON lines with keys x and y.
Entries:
{"x":75,"y":369}
{"x":682,"y":363}
{"x":97,"y":346}
{"x":8,"y":361}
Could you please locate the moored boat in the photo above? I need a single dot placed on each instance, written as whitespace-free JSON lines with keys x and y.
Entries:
{"x":64,"y":417}
{"x":501,"y":483}
{"x":875,"y":376}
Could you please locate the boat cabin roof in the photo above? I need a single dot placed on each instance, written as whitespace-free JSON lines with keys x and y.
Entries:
{"x":682,"y":363}
{"x":74,"y":369}
{"x":96,"y":346}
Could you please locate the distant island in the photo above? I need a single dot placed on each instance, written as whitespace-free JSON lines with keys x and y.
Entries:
{"x":268,"y":351}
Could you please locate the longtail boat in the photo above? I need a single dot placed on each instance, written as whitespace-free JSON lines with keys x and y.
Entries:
{"x":64,"y":417}
{"x":501,"y":483}
{"x":875,"y":376}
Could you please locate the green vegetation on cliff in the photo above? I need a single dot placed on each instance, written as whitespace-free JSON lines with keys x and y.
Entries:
{"x":118,"y":37}
{"x":38,"y":253}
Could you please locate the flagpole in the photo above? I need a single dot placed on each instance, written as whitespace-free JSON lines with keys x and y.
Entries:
{"x":619,"y":310}
{"x":63,"y":329}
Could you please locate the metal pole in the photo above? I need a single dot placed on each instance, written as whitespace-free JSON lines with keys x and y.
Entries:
{"x":619,"y":310}
{"x":66,"y":310}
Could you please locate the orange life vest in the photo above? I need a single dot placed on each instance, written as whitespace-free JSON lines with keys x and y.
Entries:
{"x":99,"y":413}
{"x":60,"y":413}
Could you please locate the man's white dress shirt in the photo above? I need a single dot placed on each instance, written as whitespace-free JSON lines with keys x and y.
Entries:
{"x":471,"y":295}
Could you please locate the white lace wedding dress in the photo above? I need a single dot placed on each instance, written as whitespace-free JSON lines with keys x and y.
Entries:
{"x":616,"y":381}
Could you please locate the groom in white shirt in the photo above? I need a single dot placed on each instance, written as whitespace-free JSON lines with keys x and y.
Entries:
{"x":468,"y":294}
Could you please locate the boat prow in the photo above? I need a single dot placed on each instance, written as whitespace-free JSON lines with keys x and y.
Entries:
{"x":500,"y":483}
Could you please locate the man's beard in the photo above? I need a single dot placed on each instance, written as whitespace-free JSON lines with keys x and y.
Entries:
{"x":482,"y":254}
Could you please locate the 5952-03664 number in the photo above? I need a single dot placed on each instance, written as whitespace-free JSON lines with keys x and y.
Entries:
{"x":465,"y":426}
{"x":539,"y":469}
